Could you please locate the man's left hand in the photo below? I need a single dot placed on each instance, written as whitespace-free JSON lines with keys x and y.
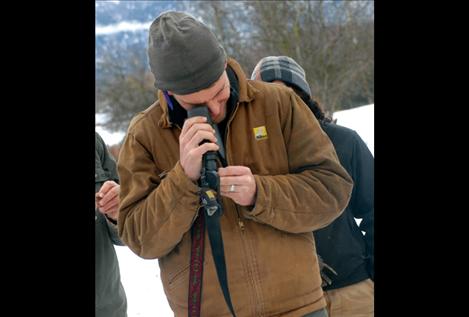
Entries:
{"x":238,"y":183}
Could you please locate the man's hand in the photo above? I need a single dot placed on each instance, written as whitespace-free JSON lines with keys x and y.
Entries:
{"x":237,"y":183}
{"x":194,"y":131}
{"x":107,"y":199}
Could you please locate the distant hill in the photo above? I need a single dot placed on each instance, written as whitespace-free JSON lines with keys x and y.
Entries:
{"x":141,"y":11}
{"x":110,"y":14}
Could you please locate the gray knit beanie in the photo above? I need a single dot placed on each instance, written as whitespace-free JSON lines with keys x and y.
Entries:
{"x":185,"y":56}
{"x":282,"y":68}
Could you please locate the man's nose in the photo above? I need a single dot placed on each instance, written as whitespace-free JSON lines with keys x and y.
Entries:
{"x":214,"y":108}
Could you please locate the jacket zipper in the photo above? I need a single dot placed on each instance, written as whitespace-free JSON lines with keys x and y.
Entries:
{"x":241,"y":224}
{"x":240,"y":221}
{"x":251,"y":271}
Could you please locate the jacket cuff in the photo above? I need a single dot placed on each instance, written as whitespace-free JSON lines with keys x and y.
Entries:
{"x":260,"y":203}
{"x":188,"y":191}
{"x":112,"y":221}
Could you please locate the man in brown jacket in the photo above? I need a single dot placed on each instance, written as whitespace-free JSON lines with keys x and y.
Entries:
{"x":281,"y":179}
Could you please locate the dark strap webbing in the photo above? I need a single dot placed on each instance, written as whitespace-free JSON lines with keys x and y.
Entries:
{"x":218,"y":253}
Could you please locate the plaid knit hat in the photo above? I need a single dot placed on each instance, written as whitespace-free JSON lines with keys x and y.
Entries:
{"x":184,"y":55}
{"x":282,"y":68}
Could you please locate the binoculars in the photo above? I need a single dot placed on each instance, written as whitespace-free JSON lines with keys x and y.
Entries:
{"x":209,"y":179}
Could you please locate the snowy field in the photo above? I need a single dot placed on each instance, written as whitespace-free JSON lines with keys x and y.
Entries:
{"x":360,"y":119}
{"x":110,"y":138}
{"x":141,"y":278}
{"x":142,"y":284}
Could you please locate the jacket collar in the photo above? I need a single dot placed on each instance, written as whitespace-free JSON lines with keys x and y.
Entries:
{"x":246,"y":93}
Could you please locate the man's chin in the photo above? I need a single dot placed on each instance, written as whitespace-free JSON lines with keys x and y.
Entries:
{"x":218,"y":119}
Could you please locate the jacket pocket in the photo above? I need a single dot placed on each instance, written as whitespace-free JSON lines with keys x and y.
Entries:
{"x":174,"y":270}
{"x":307,"y":237}
{"x":179,"y":277}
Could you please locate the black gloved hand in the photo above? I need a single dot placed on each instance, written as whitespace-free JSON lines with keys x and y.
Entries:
{"x":326,"y":280}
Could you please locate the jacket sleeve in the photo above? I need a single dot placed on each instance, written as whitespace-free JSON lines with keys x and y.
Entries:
{"x":113,"y":233}
{"x":154,"y":213}
{"x":362,"y":203}
{"x":108,"y":164}
{"x":316,"y":190}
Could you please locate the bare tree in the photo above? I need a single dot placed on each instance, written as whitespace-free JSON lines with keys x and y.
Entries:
{"x":332,"y":40}
{"x":228,"y":21}
{"x":125,"y":85}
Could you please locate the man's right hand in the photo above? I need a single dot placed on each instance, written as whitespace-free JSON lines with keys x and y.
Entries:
{"x":194,"y":131}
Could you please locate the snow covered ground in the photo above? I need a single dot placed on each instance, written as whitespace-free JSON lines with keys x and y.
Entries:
{"x":142,"y":284}
{"x":110,"y":138}
{"x":360,"y":119}
{"x":141,"y":278}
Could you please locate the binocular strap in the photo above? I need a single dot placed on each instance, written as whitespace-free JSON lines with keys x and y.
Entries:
{"x":196,"y":264}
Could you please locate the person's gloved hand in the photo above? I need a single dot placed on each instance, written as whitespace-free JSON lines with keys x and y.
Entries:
{"x":323,"y":267}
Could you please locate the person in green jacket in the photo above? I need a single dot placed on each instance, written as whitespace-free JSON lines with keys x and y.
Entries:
{"x":110,"y":298}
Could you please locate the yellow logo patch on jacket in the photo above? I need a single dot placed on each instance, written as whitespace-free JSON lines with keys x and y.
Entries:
{"x":260,"y":133}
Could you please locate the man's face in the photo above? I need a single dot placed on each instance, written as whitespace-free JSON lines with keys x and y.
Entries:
{"x":215,"y":97}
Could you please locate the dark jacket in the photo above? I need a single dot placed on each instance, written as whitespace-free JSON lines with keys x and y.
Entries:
{"x":110,"y":299}
{"x":342,"y":244}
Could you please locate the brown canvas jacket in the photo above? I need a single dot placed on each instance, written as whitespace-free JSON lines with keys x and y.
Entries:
{"x":270,"y":252}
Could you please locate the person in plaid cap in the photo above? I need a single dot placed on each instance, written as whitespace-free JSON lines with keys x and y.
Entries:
{"x":346,"y":256}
